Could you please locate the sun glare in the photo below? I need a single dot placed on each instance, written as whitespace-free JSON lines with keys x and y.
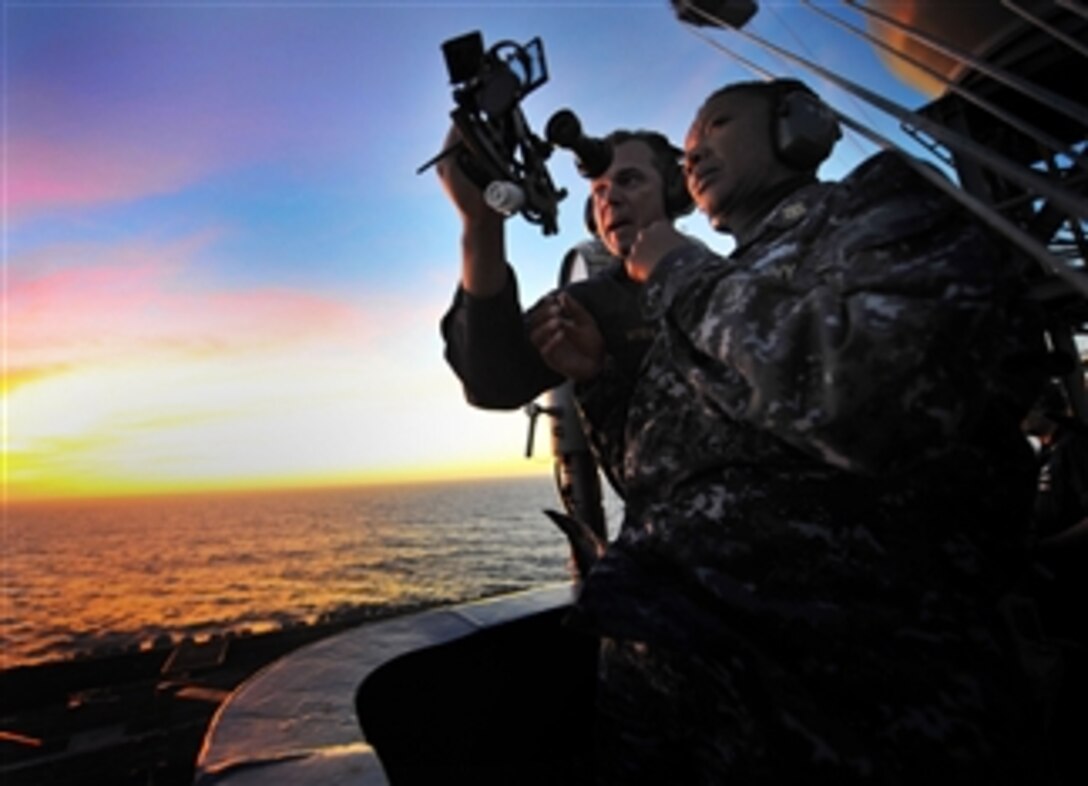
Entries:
{"x":245,"y":423}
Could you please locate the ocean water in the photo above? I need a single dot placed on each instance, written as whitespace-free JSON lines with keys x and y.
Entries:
{"x":99,"y":577}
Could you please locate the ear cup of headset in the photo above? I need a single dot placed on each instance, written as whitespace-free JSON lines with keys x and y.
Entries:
{"x":587,"y":216}
{"x":678,"y":201}
{"x":805,"y":130}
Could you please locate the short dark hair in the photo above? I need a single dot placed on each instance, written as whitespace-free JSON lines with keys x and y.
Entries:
{"x":772,"y":89}
{"x":666,"y":155}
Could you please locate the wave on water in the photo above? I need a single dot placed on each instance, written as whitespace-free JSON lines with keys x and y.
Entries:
{"x":97,"y":578}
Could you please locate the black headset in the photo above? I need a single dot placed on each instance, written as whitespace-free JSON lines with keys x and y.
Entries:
{"x":678,"y":201}
{"x":805,"y":129}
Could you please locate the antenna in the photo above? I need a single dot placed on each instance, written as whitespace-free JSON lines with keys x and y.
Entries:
{"x":1054,"y":32}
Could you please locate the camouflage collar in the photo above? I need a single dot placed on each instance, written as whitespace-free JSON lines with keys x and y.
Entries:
{"x":786,"y":214}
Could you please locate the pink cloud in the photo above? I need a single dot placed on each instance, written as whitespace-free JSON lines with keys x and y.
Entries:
{"x":74,"y":149}
{"x":42,"y":174}
{"x":147,"y":302}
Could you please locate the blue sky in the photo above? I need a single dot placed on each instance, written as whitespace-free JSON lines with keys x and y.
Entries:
{"x":220,"y":268}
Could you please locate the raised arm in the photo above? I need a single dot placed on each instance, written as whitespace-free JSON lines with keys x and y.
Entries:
{"x":483,"y":238}
{"x":487,"y":344}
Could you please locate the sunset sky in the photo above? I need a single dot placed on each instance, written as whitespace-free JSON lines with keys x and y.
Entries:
{"x":220,"y":268}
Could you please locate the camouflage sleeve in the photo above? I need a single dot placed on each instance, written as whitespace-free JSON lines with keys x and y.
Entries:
{"x":602,"y":404}
{"x":873,"y":351}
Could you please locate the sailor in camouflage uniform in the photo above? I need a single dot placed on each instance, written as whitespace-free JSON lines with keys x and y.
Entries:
{"x":827,"y":487}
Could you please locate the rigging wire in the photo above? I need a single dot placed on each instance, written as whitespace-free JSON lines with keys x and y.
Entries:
{"x":1027,"y":178}
{"x":858,"y":105}
{"x":980,"y":209}
{"x":1055,"y":145}
{"x":1045,"y":97}
{"x":1071,"y":5}
{"x":1054,"y":32}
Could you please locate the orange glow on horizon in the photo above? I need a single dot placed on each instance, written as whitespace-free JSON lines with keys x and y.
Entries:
{"x":273,"y":391}
{"x":60,"y":491}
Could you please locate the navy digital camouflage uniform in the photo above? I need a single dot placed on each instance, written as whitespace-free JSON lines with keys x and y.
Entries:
{"x":827,"y":491}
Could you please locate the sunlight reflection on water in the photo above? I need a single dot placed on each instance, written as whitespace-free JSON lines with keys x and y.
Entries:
{"x":97,"y":577}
